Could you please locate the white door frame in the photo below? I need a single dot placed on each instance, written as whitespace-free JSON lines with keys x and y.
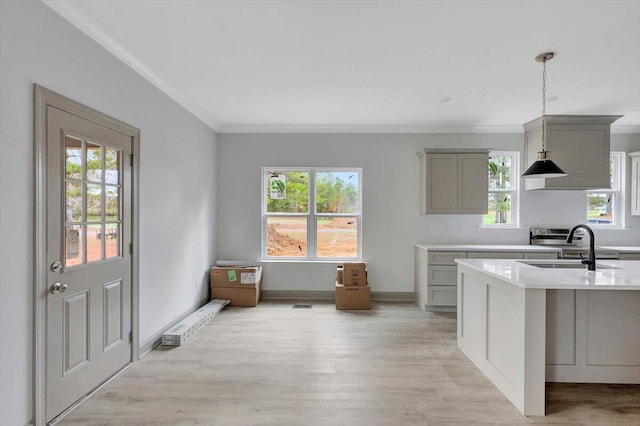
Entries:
{"x":42,"y":98}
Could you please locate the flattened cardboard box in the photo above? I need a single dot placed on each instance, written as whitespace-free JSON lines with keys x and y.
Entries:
{"x":353,"y":297}
{"x":242,"y":297}
{"x":354,"y":274}
{"x":236,"y":277}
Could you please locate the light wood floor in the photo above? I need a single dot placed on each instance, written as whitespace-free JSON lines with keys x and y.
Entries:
{"x":274,"y":365}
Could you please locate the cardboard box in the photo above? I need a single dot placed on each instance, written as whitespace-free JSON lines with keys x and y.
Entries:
{"x":354,"y":274}
{"x":243,"y":297}
{"x":236,"y":276}
{"x":353,"y":297}
{"x":238,"y":284}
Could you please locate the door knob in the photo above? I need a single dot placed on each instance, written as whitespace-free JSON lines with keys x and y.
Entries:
{"x":59,"y":288}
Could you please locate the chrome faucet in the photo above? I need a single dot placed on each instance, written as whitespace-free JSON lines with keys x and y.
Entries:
{"x":591,"y":263}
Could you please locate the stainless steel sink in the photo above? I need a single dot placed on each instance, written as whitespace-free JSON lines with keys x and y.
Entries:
{"x":564,"y":265}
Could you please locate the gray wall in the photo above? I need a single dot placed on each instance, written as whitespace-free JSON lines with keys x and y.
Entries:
{"x":177,"y":182}
{"x":391,"y":222}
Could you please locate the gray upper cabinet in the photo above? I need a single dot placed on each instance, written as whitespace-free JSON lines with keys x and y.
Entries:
{"x":454,"y":181}
{"x":635,"y":183}
{"x":578,"y":144}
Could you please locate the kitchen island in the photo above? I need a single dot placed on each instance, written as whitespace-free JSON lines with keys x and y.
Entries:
{"x":525,"y":322}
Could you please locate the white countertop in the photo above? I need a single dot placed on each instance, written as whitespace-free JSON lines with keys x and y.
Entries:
{"x":622,"y":249}
{"x":487,"y":247}
{"x":624,"y":275}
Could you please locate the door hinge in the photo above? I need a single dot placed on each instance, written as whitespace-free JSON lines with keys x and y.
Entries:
{"x":130,"y":160}
{"x":131,"y":336}
{"x":130,"y":248}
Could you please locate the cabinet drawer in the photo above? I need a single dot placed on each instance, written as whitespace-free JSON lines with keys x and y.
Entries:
{"x":445,"y":257}
{"x":629,"y":256}
{"x":539,"y":255}
{"x":494,"y":255}
{"x":442,"y":275}
{"x":442,"y":295}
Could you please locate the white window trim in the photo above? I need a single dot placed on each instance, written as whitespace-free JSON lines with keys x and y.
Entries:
{"x":514,"y":191}
{"x":618,"y":194}
{"x":311,"y":216}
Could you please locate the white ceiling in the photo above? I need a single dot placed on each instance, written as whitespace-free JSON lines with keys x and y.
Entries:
{"x":376,"y":65}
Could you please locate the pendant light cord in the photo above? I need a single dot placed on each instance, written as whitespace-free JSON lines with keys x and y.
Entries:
{"x":544,"y":105}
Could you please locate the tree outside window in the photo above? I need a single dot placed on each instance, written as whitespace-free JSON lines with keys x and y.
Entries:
{"x":502,"y":189}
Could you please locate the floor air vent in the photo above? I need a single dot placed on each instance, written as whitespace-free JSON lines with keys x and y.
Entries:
{"x":302,"y":306}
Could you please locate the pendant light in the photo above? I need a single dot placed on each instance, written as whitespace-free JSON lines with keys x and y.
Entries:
{"x":543,"y":167}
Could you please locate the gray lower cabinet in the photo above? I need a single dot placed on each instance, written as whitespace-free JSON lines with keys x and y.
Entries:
{"x":436,"y":273}
{"x":629,"y":256}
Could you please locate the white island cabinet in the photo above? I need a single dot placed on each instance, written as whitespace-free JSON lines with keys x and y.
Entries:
{"x":523,"y":325}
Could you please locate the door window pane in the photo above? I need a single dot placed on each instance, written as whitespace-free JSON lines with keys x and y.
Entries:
{"x":287,"y":192}
{"x":112,"y":240}
{"x":337,"y":192}
{"x":73,"y":247}
{"x":94,"y":202}
{"x":95,"y":234}
{"x":112,"y":166}
{"x":337,"y":237}
{"x":73,"y":157}
{"x":73,"y":202}
{"x":287,"y":236}
{"x":94,"y":162}
{"x":112,"y":206}
{"x":499,"y":209}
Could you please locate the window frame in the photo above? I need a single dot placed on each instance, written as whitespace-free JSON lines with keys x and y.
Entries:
{"x":311,"y":215}
{"x":617,"y":161}
{"x":514,"y":191}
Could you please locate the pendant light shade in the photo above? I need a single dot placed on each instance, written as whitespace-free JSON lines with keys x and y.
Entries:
{"x":544,"y":167}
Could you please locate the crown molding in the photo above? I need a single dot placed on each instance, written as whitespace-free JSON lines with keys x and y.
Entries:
{"x":83,"y":21}
{"x":312,"y":128}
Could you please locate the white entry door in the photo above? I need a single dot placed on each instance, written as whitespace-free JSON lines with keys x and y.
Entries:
{"x":88,"y":330}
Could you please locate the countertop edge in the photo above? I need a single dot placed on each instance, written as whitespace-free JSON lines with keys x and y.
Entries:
{"x":475,"y":264}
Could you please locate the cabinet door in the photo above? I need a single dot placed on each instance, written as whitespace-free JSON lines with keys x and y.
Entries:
{"x":442,"y":296}
{"x":494,"y":255}
{"x":473,"y":183}
{"x":635,"y":183}
{"x":441,"y":183}
{"x":540,"y":255}
{"x":445,"y":257}
{"x":629,"y":256}
{"x":442,"y":275}
{"x":589,"y":169}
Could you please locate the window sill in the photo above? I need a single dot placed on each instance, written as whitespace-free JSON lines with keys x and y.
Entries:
{"x":501,"y":227}
{"x":608,"y":227}
{"x":319,"y":261}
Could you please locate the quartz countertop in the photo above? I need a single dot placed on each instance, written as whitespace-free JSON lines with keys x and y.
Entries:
{"x":609,"y":274}
{"x":488,"y":247}
{"x":622,"y":249}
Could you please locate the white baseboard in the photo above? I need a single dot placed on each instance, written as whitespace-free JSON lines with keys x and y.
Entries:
{"x":153,"y":341}
{"x":376,"y":296}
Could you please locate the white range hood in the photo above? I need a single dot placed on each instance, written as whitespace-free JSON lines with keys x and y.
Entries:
{"x":578,"y":144}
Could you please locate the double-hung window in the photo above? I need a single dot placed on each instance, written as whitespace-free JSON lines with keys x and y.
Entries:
{"x":503,"y":189}
{"x":311,"y":213}
{"x":605,"y":207}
